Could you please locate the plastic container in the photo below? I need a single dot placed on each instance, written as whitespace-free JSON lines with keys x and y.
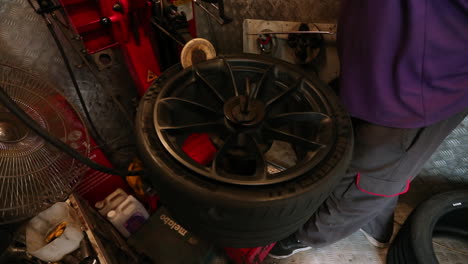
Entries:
{"x":129,"y":216}
{"x":111,"y":202}
{"x":40,"y":226}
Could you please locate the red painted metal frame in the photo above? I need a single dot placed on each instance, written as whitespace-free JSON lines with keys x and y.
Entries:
{"x":131,"y":17}
{"x":130,"y":30}
{"x":249,"y":255}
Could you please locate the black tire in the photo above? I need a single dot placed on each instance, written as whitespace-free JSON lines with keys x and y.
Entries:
{"x":445,"y":213}
{"x":241,"y":216}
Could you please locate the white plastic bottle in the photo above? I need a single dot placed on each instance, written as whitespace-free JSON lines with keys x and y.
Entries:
{"x":129,"y":216}
{"x":111,"y":201}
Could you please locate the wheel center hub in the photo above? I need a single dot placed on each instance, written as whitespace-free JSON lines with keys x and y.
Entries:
{"x":241,"y":111}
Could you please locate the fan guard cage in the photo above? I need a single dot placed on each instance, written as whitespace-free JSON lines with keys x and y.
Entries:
{"x":33,"y":173}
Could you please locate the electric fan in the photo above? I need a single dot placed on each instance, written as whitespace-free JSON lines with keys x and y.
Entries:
{"x":34,"y":174}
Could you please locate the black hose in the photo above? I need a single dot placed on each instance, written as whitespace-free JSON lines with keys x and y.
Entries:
{"x":63,"y":28}
{"x":31,"y":124}
{"x":96,"y":135}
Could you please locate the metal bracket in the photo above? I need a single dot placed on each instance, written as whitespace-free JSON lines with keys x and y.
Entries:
{"x":293,"y":32}
{"x":46,"y":7}
{"x":221,"y":18}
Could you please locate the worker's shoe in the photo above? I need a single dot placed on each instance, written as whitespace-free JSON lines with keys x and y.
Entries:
{"x":374,"y":241}
{"x":287,"y":247}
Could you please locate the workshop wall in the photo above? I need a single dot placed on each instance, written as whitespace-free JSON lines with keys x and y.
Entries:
{"x":25,"y":42}
{"x":228,"y":38}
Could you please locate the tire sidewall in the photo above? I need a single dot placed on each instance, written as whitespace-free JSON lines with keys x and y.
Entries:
{"x":425,"y":218}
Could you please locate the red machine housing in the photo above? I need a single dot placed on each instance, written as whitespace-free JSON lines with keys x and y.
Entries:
{"x":124,"y":23}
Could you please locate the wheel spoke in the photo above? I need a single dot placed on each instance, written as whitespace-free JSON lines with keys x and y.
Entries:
{"x":261,"y":172}
{"x":254,"y":113}
{"x":221,"y":152}
{"x":231,"y":75}
{"x":285,"y":94}
{"x":263,"y":80}
{"x":204,"y":127}
{"x":288,"y":118}
{"x":208,"y":84}
{"x":191,"y":105}
{"x":293,"y":139}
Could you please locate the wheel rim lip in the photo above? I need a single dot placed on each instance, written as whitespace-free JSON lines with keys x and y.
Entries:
{"x":183,"y":158}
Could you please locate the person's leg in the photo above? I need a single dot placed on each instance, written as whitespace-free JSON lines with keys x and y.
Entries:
{"x":385,"y":161}
{"x":381,"y":227}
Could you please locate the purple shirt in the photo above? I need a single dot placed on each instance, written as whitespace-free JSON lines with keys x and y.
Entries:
{"x":404,"y":62}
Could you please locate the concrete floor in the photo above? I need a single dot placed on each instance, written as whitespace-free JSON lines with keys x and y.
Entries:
{"x":356,"y":249}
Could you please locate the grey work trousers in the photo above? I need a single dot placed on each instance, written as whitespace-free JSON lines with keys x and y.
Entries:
{"x":385,"y":160}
